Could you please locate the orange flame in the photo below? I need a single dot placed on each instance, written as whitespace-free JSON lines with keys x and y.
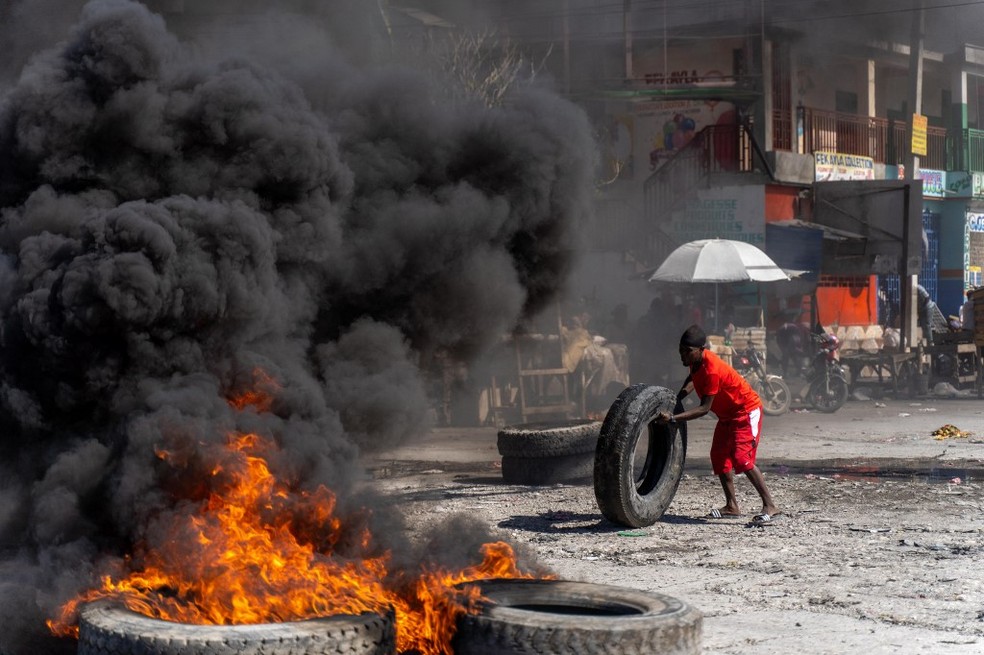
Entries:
{"x":258,"y":551}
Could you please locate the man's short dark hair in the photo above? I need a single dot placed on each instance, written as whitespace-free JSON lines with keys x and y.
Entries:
{"x":693,"y":337}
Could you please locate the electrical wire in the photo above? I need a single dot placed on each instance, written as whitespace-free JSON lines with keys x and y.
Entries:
{"x":616,"y":10}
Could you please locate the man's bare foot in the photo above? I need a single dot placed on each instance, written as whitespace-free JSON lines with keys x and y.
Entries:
{"x":724,"y":513}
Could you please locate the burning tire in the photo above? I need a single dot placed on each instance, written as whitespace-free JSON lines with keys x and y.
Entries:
{"x":548,"y":453}
{"x":635,"y":479}
{"x":107,"y":628}
{"x":576,"y":618}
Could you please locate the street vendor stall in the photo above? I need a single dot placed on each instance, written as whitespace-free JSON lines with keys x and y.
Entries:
{"x":978,"y":297}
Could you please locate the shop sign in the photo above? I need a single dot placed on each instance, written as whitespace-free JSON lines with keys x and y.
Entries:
{"x":919,"y":124}
{"x":932,"y":182}
{"x":959,"y":184}
{"x":831,"y":166}
{"x":975,"y":222}
{"x":977,"y":185}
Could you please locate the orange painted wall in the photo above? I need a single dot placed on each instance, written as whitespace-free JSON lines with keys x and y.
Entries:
{"x":848,"y":305}
{"x":780,"y":203}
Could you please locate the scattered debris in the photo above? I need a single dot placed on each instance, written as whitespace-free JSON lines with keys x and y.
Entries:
{"x":632,"y":533}
{"x":949,"y":431}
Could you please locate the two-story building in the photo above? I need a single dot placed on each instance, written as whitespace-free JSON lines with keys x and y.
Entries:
{"x":722,"y":119}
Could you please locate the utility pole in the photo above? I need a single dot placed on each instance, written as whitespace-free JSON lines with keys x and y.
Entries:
{"x":909,"y":271}
{"x":627,"y":32}
{"x":567,"y":47}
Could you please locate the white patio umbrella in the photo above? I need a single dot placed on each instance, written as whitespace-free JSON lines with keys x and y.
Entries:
{"x":716,"y":261}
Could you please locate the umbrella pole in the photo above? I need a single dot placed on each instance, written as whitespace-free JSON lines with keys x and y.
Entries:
{"x":715,"y":308}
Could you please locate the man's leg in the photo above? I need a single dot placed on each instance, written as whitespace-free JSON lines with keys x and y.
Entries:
{"x":730,"y":498}
{"x":758,"y":481}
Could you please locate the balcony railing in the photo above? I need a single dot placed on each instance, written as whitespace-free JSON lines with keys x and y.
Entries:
{"x":972,"y":155}
{"x":883,"y":140}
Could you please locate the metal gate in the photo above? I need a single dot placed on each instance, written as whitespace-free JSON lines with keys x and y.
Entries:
{"x":890,"y":286}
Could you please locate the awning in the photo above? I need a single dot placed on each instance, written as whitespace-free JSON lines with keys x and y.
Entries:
{"x":832,"y":233}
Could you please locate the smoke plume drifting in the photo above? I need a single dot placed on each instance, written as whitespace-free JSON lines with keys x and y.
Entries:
{"x":175,"y":231}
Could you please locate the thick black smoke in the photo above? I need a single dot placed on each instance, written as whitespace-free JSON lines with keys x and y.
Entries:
{"x":173,"y":231}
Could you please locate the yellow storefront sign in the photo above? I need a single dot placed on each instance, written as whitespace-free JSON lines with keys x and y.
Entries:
{"x":919,"y":123}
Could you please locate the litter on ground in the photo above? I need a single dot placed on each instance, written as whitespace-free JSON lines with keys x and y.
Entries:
{"x":949,"y":431}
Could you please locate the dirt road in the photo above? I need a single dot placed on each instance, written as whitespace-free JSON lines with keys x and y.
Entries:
{"x":879,"y":549}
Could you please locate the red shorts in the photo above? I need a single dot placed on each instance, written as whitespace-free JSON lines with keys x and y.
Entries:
{"x":736,"y":442}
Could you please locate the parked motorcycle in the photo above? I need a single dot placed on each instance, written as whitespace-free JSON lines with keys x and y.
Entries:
{"x":825,"y":386}
{"x":772,"y":389}
{"x":827,"y":378}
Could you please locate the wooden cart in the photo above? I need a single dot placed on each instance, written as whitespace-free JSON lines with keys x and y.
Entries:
{"x":883,"y":369}
{"x":978,"y":298}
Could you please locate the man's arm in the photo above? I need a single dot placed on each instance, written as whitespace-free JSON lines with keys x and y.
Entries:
{"x":689,"y":414}
{"x":688,"y":386}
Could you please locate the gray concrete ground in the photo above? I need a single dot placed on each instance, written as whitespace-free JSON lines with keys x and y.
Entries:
{"x":879,"y":549}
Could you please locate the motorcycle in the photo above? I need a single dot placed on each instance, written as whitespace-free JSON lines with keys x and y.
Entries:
{"x":828,"y":381}
{"x":825,"y":380}
{"x":772,"y":389}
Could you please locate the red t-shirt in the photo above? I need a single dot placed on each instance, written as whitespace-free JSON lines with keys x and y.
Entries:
{"x":732,"y":393}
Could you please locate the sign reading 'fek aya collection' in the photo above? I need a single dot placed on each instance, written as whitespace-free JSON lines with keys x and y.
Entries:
{"x":832,"y":166}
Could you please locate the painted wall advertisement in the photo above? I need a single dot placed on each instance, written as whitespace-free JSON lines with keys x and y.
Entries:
{"x":736,"y":213}
{"x":832,"y":166}
{"x":663,"y":128}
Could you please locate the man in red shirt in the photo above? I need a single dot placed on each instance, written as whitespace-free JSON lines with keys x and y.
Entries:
{"x":725,"y":392}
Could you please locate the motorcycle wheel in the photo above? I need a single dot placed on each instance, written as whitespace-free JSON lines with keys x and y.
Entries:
{"x":775,"y":395}
{"x":828,"y":395}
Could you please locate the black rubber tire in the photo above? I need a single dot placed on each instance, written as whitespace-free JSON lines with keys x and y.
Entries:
{"x":557,"y":617}
{"x":828,"y":402}
{"x":548,"y":470}
{"x":623,"y":496}
{"x":778,"y":401}
{"x":549,"y":439}
{"x":107,"y":628}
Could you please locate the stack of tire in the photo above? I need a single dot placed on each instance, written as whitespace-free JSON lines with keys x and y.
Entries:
{"x":549,"y":453}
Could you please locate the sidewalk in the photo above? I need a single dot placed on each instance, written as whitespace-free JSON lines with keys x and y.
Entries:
{"x":897,"y":433}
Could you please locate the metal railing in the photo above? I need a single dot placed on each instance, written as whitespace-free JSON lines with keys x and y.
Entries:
{"x":885,"y":141}
{"x":972,"y":156}
{"x":715,"y":149}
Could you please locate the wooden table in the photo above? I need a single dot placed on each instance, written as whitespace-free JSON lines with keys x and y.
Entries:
{"x":895,"y":369}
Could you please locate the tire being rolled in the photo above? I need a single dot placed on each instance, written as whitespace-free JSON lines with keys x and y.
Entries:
{"x":523,"y":617}
{"x":625,"y":495}
{"x":108,"y":628}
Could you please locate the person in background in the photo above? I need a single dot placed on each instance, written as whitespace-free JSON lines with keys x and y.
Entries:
{"x":738,"y":431}
{"x":925,"y":308}
{"x":967,"y":311}
{"x":618,"y":329}
{"x":647,"y":361}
